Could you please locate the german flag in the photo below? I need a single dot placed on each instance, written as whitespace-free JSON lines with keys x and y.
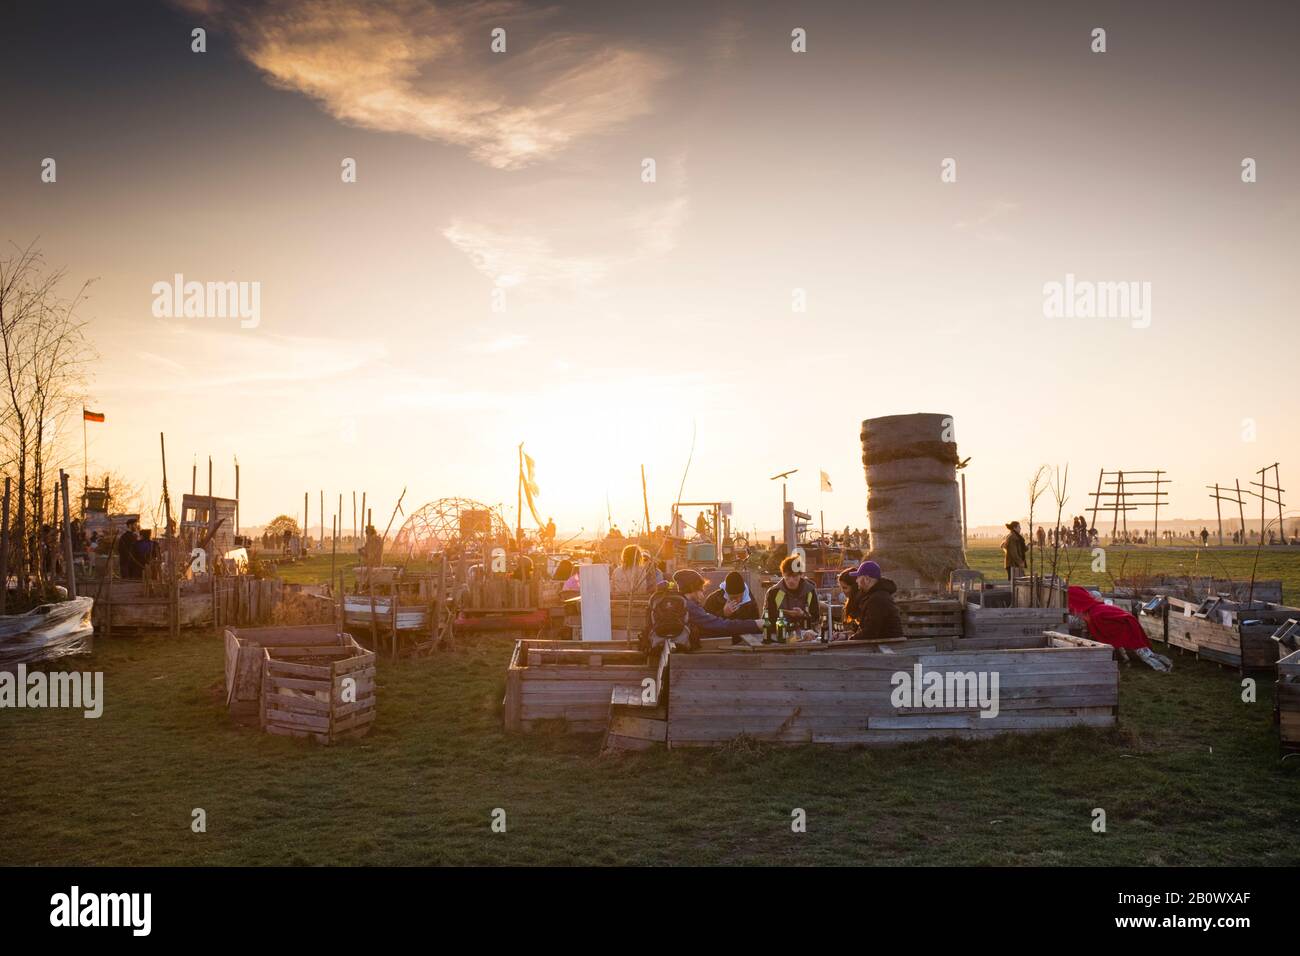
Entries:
{"x":92,"y":416}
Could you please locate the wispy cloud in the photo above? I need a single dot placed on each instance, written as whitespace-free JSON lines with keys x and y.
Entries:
{"x":986,"y":226}
{"x":410,"y":66}
{"x":515,"y":255}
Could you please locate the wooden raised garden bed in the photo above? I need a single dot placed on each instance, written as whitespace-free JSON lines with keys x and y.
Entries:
{"x":1288,"y":701}
{"x":300,"y":681}
{"x":844,"y":697}
{"x":570,"y":681}
{"x":1223,"y":631}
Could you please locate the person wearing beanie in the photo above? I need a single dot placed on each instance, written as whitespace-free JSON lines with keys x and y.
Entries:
{"x":732,"y":600}
{"x":878,"y":617}
{"x":795,"y":596}
{"x":700,"y":622}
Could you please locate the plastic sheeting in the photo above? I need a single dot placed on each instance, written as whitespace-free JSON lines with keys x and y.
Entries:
{"x":46,"y":633}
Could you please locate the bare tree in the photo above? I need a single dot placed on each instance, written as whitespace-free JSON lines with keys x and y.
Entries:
{"x":43,"y":358}
{"x":1060,"y":483}
{"x":1036,"y":489}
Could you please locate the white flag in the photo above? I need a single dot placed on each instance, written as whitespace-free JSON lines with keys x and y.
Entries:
{"x":826,"y":482}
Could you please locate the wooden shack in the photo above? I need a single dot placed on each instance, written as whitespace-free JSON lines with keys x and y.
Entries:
{"x":200,"y":514}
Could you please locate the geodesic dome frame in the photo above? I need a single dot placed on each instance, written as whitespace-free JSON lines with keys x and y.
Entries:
{"x":448,"y":523}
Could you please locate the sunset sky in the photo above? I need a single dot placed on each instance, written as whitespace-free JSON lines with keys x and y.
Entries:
{"x":634,"y":310}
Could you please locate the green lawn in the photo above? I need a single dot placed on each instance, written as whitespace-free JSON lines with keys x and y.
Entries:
{"x":1192,"y":777}
{"x":1121,"y":563}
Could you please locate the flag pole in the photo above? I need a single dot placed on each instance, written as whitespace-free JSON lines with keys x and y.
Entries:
{"x":85,"y":453}
{"x":519,"y":507}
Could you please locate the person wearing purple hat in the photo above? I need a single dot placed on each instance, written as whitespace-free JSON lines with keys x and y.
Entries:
{"x":878,"y":618}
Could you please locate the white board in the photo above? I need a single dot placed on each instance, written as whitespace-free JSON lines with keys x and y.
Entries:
{"x":593,"y":585}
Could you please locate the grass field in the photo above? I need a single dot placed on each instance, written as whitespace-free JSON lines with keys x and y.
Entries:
{"x":1192,"y":776}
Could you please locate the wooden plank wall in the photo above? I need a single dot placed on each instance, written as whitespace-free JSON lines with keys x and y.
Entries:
{"x":844,"y":698}
{"x":576,"y":691}
{"x":1288,"y":701}
{"x":1012,"y":621}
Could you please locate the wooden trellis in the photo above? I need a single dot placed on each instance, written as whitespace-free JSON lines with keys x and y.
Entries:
{"x":1264,"y":489}
{"x":1221,"y":494}
{"x":1128,"y":491}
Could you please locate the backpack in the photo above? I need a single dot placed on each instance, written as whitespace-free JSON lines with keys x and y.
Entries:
{"x":668,"y":615}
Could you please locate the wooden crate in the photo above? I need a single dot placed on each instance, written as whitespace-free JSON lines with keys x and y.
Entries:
{"x":245,"y":646}
{"x":1288,"y":701}
{"x":1226,"y":638}
{"x":292,"y":681}
{"x":828,"y":695}
{"x":570,"y":681}
{"x":325,"y":692}
{"x":931,"y":618}
{"x":979,"y":621}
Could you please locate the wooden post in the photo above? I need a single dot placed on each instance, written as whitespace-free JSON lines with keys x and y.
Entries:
{"x":1241,"y":510}
{"x":236,"y":496}
{"x":1096,"y":500}
{"x":322,"y":519}
{"x":4,"y":550}
{"x":167,"y":501}
{"x":334,"y":552}
{"x":1218,"y":512}
{"x":963,"y":511}
{"x":354,"y":517}
{"x":67,"y":535}
{"x":303,"y":549}
{"x":645,"y":503}
{"x":209,"y":479}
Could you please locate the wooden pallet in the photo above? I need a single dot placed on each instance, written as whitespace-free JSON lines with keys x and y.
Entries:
{"x":933,"y":618}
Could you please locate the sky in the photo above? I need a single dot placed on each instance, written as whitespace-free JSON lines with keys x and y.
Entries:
{"x":501,"y":271}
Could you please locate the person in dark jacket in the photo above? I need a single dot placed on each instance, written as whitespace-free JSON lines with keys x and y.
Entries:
{"x":700,"y":622}
{"x":127,"y":566}
{"x":795,"y":595}
{"x":878,"y":618}
{"x":733,"y":600}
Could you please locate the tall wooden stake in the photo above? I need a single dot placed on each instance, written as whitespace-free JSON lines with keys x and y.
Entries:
{"x":67,"y":536}
{"x":4,"y":549}
{"x":167,"y":500}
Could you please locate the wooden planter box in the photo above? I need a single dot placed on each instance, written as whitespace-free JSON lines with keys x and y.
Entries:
{"x":981,"y":621}
{"x":291,"y":681}
{"x":569,"y":680}
{"x":932,"y":618}
{"x":829,"y":695}
{"x":1288,"y":701}
{"x":1222,"y":638}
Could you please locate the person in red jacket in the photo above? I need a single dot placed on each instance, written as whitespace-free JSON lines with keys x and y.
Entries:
{"x":1114,"y":626}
